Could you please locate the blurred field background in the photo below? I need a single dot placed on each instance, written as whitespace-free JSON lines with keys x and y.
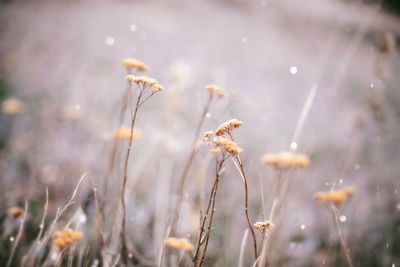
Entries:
{"x":62,"y":59}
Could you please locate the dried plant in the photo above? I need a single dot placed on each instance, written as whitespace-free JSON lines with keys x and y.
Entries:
{"x":65,"y":238}
{"x":146,"y":88}
{"x":337,"y":198}
{"x":213,"y":91}
{"x":224,"y":147}
{"x":281,"y":162}
{"x":132,"y":66}
{"x":179,"y":243}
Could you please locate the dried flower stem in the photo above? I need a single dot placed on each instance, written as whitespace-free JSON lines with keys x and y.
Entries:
{"x":41,"y":244}
{"x":274,"y":216}
{"x":19,"y":235}
{"x":345,"y":248}
{"x":211,"y":207}
{"x":126,"y":246}
{"x":240,"y":166}
{"x":125,"y":179}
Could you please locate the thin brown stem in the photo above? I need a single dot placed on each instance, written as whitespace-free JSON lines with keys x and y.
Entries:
{"x":204,"y":219}
{"x":250,"y":224}
{"x":19,"y":235}
{"x":125,"y":179}
{"x":213,"y":197}
{"x":274,"y":216}
{"x":128,"y":249}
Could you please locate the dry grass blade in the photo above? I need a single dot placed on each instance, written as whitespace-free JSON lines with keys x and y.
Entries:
{"x":19,"y":235}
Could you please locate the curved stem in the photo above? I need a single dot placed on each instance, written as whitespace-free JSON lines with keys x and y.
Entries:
{"x":125,"y":244}
{"x":250,"y":224}
{"x":213,"y":197}
{"x":203,"y":223}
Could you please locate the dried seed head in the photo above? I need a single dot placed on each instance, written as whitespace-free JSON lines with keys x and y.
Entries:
{"x":158,"y":88}
{"x":227,"y":126}
{"x":179,"y":243}
{"x":286,"y":160}
{"x":215,"y":150}
{"x":207,"y":136}
{"x":15,"y":212}
{"x":12,"y":106}
{"x":144,"y":80}
{"x":125,"y":133}
{"x":264,"y":225}
{"x":130,"y":78}
{"x":215,"y":89}
{"x":336,"y":197}
{"x":228,"y":145}
{"x":65,"y":238}
{"x":135,"y":64}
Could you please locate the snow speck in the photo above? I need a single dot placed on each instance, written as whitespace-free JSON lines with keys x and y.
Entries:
{"x":133,"y":27}
{"x":342,"y":218}
{"x":293,"y":145}
{"x":110,"y":41}
{"x":244,"y":40}
{"x":303,"y":226}
{"x":293,"y":70}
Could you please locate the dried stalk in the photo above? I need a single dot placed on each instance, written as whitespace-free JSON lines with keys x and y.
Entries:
{"x":211,"y":207}
{"x":129,"y":248}
{"x":218,"y":172}
{"x":19,"y":235}
{"x":240,"y":166}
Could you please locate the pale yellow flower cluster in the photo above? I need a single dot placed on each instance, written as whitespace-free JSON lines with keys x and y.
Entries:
{"x":228,"y":145}
{"x":131,"y":63}
{"x":227,"y":126}
{"x":179,"y":243}
{"x":145,"y":81}
{"x":336,"y":197}
{"x":286,"y":160}
{"x":124,"y":132}
{"x":215,"y":89}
